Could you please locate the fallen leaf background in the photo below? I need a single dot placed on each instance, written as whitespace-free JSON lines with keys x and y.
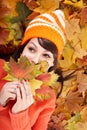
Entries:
{"x":71,"y":89}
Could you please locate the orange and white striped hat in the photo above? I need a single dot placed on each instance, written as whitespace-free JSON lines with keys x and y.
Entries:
{"x":50,"y":26}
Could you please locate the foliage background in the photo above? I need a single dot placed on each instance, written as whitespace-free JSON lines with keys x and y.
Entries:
{"x":71,"y":90}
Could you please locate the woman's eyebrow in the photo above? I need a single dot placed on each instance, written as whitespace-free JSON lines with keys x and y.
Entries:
{"x":33,"y":44}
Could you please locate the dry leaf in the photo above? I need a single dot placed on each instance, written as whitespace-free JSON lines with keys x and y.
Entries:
{"x":73,"y":101}
{"x":46,"y":5}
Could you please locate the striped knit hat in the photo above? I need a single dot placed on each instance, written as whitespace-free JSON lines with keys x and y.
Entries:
{"x":50,"y":26}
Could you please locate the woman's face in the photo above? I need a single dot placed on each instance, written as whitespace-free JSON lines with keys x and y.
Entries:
{"x":35,"y":53}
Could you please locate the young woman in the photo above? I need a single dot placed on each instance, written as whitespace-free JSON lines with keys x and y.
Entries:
{"x":43,"y":41}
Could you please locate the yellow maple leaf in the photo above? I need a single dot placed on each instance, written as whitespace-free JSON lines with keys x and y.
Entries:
{"x":75,"y":3}
{"x":77,"y":37}
{"x":79,"y":52}
{"x":35,"y":84}
{"x":72,"y":29}
{"x":68,"y":52}
{"x":46,"y":5}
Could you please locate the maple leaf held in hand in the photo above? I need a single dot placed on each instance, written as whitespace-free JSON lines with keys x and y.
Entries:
{"x":18,"y":71}
{"x":35,"y":73}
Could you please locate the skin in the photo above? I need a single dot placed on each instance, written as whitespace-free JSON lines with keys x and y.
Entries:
{"x":35,"y":53}
{"x":21,"y":91}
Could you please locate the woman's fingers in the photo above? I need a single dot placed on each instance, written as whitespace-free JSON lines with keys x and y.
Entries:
{"x":12,"y":90}
{"x":11,"y":97}
{"x":8,"y":92}
{"x":24,"y":97}
{"x":27,"y":87}
{"x":18,"y":92}
{"x":28,"y":92}
{"x":9,"y":85}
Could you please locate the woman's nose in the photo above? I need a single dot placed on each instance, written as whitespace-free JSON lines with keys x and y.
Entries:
{"x":36,"y":59}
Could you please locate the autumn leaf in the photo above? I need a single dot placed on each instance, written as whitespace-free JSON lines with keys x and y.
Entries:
{"x":35,"y":73}
{"x":83,"y":16}
{"x":44,"y":77}
{"x":46,"y":5}
{"x":73,"y":121}
{"x":81,"y":126}
{"x":77,"y":39}
{"x":53,"y":79}
{"x":73,"y":101}
{"x":32,"y":4}
{"x":67,"y":54}
{"x":18,"y":71}
{"x":21,"y":17}
{"x":55,"y":123}
{"x":5,"y":11}
{"x":84,"y":114}
{"x":48,"y":79}
{"x":42,"y":93}
{"x":10,"y":32}
{"x":3,"y":35}
{"x":82,"y":82}
{"x":83,"y":37}
{"x":75,"y":3}
{"x":32,"y":16}
{"x":79,"y":52}
{"x":82,"y":62}
{"x":72,"y":30}
{"x":23,"y":69}
{"x":35,"y":84}
{"x":12,"y":5}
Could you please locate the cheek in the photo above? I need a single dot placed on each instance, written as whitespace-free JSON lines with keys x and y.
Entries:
{"x":30,"y":56}
{"x":50,"y":63}
{"x":25,"y":53}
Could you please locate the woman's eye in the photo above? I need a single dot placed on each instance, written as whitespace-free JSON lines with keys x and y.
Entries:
{"x":31,"y":49}
{"x":47,"y":55}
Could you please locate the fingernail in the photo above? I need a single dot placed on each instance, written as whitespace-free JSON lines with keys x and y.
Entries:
{"x":17,"y":86}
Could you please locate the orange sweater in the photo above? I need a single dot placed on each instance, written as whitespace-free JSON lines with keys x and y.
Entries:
{"x":36,"y":117}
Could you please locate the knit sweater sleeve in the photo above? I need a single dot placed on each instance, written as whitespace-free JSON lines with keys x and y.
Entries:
{"x":45,"y":114}
{"x":34,"y":118}
{"x":20,"y":121}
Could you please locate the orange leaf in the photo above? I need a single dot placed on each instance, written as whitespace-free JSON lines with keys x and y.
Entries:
{"x":44,"y":77}
{"x":4,"y":11}
{"x":20,"y":70}
{"x":83,"y":16}
{"x":32,"y":15}
{"x":32,"y":4}
{"x":43,"y":93}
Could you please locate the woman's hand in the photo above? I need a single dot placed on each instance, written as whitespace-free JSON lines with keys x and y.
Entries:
{"x":24,"y":97}
{"x":8,"y":92}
